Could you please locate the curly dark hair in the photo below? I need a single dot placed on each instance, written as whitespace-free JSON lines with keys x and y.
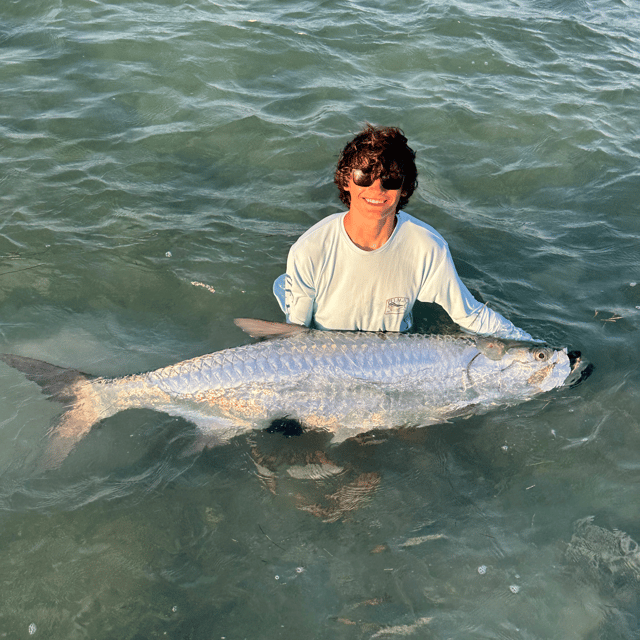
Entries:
{"x":382,"y":151}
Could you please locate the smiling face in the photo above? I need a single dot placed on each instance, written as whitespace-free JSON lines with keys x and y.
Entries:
{"x":373,"y":201}
{"x":377,"y":149}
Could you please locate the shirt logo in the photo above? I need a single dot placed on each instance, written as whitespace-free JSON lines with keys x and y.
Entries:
{"x":396,"y":306}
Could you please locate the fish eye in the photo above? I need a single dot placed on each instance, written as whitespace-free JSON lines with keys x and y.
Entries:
{"x":540,"y":355}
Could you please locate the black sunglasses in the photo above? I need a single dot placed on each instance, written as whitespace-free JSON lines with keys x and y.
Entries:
{"x":365,"y":179}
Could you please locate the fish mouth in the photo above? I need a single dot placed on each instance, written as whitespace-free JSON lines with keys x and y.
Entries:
{"x":580,"y":369}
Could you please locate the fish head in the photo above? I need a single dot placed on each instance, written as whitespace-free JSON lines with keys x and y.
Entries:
{"x":538,"y":368}
{"x":524,"y":369}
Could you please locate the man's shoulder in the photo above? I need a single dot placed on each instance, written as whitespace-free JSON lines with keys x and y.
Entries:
{"x":418,"y":231}
{"x":325,"y":228}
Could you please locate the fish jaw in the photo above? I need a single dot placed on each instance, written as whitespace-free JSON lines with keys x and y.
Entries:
{"x":554,"y":374}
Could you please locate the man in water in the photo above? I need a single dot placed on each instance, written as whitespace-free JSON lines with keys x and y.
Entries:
{"x":364,"y":269}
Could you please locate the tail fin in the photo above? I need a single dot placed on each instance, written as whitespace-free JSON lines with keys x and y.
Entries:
{"x":56,"y":382}
{"x":70,"y":387}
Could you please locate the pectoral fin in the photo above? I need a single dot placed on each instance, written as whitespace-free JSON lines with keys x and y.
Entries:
{"x":492,"y":348}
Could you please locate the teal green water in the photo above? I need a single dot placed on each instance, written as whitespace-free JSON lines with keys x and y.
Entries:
{"x":147,"y":146}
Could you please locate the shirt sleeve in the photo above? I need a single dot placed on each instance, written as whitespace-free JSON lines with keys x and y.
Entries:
{"x":445,"y":288}
{"x":300,"y":291}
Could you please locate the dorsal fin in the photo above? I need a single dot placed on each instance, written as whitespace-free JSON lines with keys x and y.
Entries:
{"x":267,"y":330}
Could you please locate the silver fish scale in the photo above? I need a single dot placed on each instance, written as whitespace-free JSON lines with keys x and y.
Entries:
{"x":385,"y":358}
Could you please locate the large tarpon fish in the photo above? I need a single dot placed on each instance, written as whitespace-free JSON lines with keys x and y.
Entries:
{"x":343,"y":382}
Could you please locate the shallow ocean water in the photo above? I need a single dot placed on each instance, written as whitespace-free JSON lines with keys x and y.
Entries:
{"x":148,"y":146}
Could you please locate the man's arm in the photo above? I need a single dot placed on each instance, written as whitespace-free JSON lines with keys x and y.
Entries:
{"x":452,"y":294}
{"x":299,"y":291}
